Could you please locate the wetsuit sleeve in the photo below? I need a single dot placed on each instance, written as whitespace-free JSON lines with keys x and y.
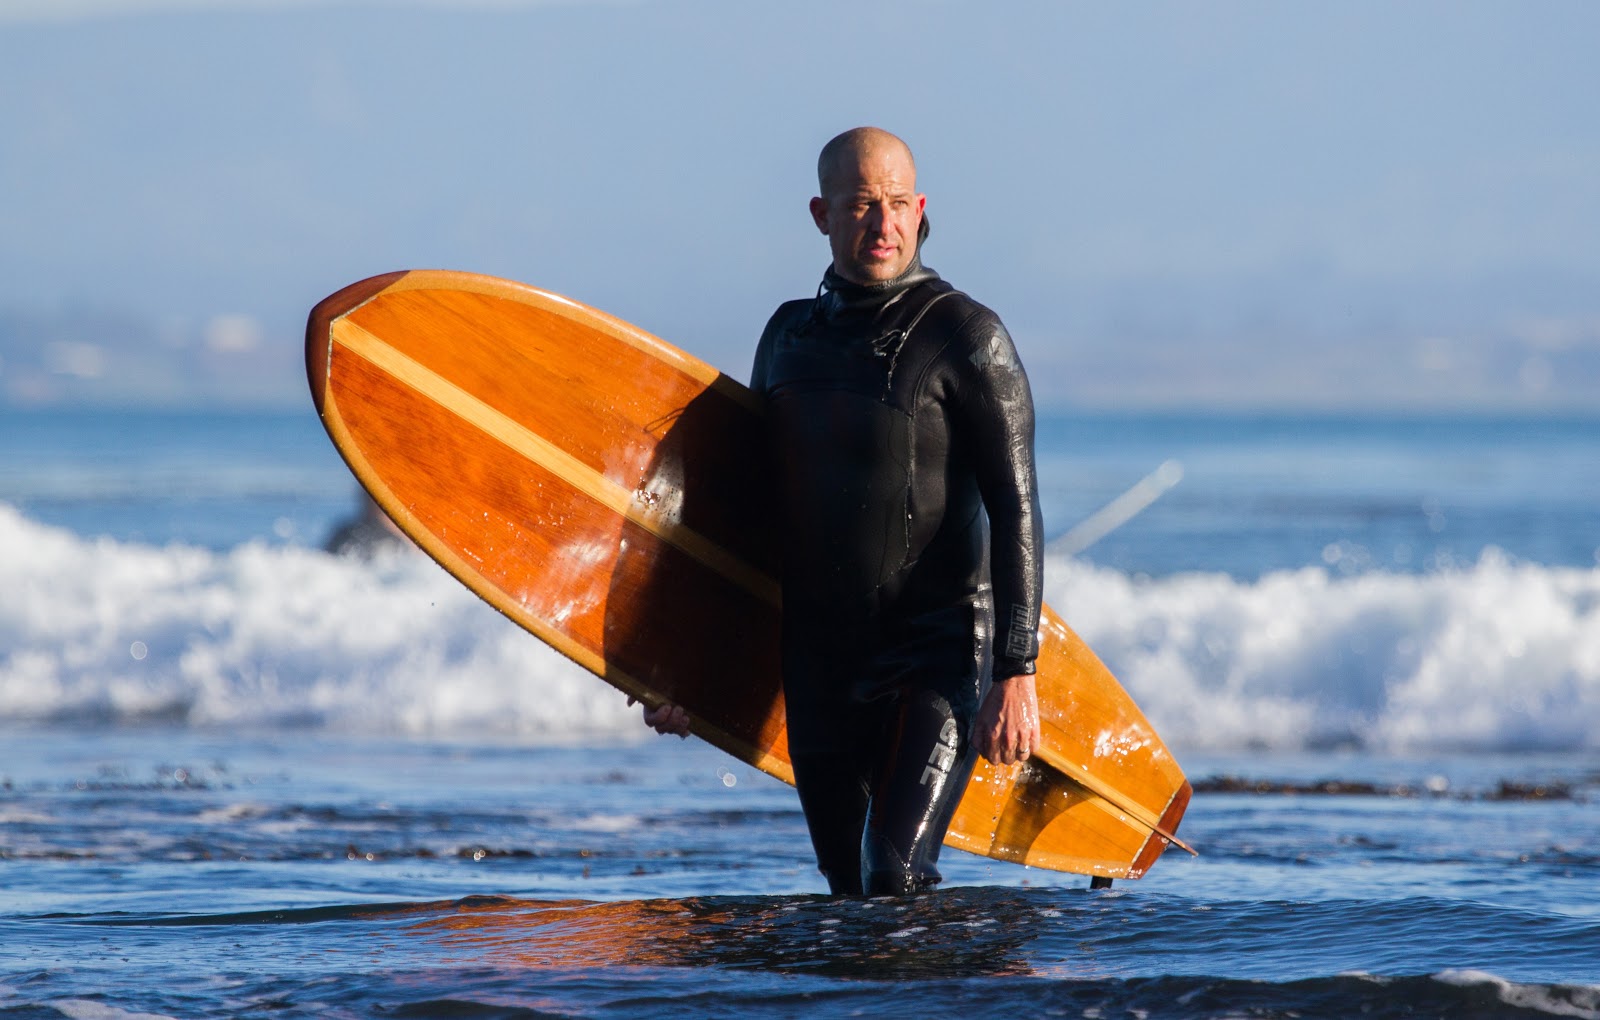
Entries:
{"x":994,"y":416}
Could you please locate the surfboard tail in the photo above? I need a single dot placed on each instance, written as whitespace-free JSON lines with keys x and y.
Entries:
{"x":1158,"y":842}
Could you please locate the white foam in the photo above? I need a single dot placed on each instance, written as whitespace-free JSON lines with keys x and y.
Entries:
{"x":89,"y":1009}
{"x":278,"y":636}
{"x":1582,"y":1001}
{"x":1498,"y":655}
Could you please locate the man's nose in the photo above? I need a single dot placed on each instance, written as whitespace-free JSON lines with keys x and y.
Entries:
{"x":878,"y":218}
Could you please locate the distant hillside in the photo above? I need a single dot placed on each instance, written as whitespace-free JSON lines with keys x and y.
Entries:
{"x":99,"y":357}
{"x":84,"y":357}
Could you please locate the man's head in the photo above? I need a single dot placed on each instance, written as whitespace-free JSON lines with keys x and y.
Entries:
{"x":869,"y":206}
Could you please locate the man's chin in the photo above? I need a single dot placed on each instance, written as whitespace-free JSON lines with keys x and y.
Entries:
{"x":873,"y":272}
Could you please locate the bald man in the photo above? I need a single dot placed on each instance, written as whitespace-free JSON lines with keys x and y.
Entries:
{"x":901,"y":425}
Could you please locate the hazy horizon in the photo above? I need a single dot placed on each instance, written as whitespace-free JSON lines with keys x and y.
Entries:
{"x":1241,"y":205}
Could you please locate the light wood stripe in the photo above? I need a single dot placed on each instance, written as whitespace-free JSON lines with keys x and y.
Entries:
{"x":618,"y":329}
{"x":1110,"y":794}
{"x":552,"y":458}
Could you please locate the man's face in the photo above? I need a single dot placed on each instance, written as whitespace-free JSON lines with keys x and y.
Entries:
{"x":871,"y":215}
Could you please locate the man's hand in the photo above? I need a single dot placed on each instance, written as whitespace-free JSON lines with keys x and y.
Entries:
{"x":666,"y":718}
{"x":1008,"y":723}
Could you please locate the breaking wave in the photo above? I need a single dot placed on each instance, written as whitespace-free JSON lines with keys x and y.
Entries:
{"x":1499,"y":655}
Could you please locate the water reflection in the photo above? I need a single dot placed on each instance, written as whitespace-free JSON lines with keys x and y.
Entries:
{"x":954,"y":934}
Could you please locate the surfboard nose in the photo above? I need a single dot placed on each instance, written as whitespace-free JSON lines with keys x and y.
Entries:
{"x":319,"y":326}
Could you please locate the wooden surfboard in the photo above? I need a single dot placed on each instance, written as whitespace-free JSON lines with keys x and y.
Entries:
{"x":593,"y":483}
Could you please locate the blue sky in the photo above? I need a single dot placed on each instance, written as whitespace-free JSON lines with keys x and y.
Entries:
{"x":1246,"y":204}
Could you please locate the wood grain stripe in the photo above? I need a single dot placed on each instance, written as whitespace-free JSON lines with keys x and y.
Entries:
{"x":1111,"y":795}
{"x":618,"y":329}
{"x":552,"y":458}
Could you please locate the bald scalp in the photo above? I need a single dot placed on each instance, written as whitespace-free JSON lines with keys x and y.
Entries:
{"x":845,"y":152}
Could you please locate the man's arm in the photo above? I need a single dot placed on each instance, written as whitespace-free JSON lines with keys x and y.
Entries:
{"x":996,"y":420}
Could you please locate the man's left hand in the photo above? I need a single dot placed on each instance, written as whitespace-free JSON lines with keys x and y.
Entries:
{"x":1008,"y":723}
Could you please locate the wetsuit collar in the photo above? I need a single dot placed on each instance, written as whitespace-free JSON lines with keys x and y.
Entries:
{"x":838,"y":296}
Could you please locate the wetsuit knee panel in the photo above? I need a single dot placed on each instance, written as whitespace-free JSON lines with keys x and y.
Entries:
{"x":914,"y":796}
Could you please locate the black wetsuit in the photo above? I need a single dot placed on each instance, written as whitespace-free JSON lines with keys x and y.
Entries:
{"x":899,"y":415}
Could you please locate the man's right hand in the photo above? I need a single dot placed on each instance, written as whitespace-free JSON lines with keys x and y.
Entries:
{"x":666,"y":718}
{"x":1007,"y":730}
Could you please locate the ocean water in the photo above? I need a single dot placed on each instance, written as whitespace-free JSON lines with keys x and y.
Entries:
{"x":240,"y":776}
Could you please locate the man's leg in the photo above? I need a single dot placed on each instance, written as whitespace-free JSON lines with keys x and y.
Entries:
{"x":927,"y":760}
{"x":831,"y":740}
{"x":833,"y":795}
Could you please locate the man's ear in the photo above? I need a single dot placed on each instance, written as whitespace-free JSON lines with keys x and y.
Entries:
{"x":819,"y":213}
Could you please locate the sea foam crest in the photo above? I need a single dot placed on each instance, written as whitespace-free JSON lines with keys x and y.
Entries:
{"x":98,"y":630}
{"x":1498,"y":655}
